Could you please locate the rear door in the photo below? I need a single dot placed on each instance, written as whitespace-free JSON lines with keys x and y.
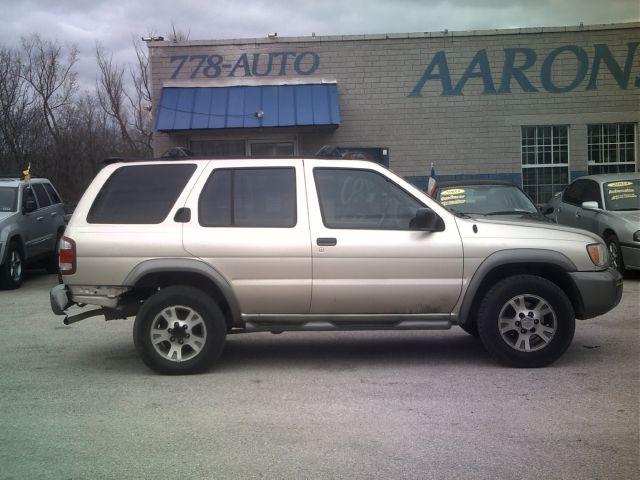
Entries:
{"x":46,"y":217}
{"x":250,"y":223}
{"x":366,"y":260}
{"x":35,"y":227}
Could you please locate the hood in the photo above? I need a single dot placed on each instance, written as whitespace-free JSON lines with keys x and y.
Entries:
{"x":520,"y":229}
{"x":632,"y":217}
{"x":516,"y":217}
{"x":4,"y":215}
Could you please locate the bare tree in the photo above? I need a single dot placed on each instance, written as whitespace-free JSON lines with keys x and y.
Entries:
{"x":140,"y":99}
{"x":17,"y":112}
{"x":112,"y":94}
{"x":51,"y":76}
{"x":178,"y":35}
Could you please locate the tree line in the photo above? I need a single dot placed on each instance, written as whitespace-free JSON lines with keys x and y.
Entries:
{"x":63,"y":131}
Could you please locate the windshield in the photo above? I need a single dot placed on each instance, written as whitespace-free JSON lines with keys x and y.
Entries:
{"x":622,"y":195}
{"x":486,"y":200}
{"x":8,"y":199}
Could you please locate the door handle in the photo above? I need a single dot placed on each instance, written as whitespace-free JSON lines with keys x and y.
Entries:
{"x":53,"y":214}
{"x":326,"y":242}
{"x":39,"y":219}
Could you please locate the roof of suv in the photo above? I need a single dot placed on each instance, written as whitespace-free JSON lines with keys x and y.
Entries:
{"x":14,"y":181}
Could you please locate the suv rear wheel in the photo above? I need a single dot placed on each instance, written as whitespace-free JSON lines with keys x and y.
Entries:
{"x":179,"y":330}
{"x":526,"y":321}
{"x":12,"y":271}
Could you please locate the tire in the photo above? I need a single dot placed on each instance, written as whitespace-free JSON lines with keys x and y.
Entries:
{"x":471,"y":328}
{"x":12,"y":270}
{"x":518,"y":304}
{"x":191,"y":348}
{"x":615,"y":252}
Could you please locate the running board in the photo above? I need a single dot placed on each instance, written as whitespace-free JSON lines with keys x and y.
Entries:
{"x":439,"y":322}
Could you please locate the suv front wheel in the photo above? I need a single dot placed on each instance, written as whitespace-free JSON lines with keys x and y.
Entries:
{"x":526,"y":321}
{"x":179,"y":330}
{"x":11,"y":272}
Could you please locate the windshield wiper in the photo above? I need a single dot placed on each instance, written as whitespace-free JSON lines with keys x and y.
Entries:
{"x":510,"y":212}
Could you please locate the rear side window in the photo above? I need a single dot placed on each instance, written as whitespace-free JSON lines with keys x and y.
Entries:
{"x":52,"y":193}
{"x":41,"y":195}
{"x":141,"y":194}
{"x":249,"y":197}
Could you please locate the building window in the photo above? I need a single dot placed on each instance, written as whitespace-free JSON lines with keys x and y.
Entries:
{"x":545,"y":161}
{"x":218,"y":148}
{"x":612,"y":148}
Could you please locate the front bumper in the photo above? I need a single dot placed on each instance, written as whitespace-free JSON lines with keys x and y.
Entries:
{"x":60,"y":300}
{"x":631,"y":256}
{"x":598,"y":292}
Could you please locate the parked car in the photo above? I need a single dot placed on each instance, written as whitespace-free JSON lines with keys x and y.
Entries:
{"x":31,"y":222}
{"x":198,"y":249}
{"x":609,"y":206}
{"x":488,"y":198}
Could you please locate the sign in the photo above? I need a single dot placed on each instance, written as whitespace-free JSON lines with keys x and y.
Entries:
{"x":246,"y":65}
{"x":521,"y":64}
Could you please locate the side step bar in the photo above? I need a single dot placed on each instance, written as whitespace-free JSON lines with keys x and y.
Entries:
{"x":330,"y":326}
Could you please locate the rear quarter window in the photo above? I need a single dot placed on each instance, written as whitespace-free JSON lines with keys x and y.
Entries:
{"x":140,"y":194}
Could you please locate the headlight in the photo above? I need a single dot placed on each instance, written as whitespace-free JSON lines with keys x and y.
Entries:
{"x":598,"y":254}
{"x":636,"y":236}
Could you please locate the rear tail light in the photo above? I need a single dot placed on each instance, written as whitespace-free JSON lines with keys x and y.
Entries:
{"x":67,"y":256}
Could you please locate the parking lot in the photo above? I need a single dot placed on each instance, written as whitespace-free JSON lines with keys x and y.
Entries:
{"x":77,"y":402}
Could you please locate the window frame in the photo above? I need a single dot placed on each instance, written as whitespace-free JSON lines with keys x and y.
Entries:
{"x":46,"y":195}
{"x":541,"y":166}
{"x":91,"y":213}
{"x":232,"y":191}
{"x":592,"y":165}
{"x":49,"y":189}
{"x":385,"y":178}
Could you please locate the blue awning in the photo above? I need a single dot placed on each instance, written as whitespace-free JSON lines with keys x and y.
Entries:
{"x":191,"y":108}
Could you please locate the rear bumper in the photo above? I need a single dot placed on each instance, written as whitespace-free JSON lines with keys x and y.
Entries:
{"x":598,"y":292}
{"x":60,"y":299}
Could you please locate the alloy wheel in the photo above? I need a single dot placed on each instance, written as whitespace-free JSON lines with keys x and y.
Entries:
{"x":527,"y":323}
{"x":178,"y":333}
{"x":15,"y":266}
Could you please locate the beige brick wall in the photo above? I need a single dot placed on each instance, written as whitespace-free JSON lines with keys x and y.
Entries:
{"x":468,"y":134}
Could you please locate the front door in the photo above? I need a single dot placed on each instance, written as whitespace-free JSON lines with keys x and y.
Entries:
{"x":365,"y":257}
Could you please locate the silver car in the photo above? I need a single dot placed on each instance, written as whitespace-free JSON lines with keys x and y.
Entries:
{"x":31,"y":222}
{"x":197,"y":249}
{"x":609,"y":206}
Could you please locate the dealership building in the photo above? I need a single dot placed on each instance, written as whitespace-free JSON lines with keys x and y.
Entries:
{"x":535,"y":106}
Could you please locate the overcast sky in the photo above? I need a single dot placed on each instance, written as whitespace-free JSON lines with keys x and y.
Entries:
{"x":115,"y":22}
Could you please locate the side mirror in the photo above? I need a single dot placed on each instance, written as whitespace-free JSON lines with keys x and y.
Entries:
{"x":29,"y":206}
{"x":427,"y":220}
{"x":591,"y":206}
{"x":545,"y":209}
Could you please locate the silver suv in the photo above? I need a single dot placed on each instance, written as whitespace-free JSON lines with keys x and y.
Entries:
{"x":198,"y":249}
{"x":31,"y":222}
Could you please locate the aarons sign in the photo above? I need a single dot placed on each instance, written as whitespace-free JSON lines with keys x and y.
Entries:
{"x":522,"y":65}
{"x":522,"y":68}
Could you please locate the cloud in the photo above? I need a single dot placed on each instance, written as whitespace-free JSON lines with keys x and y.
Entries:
{"x":114,"y":23}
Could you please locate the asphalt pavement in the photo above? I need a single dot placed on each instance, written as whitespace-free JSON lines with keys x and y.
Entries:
{"x":76,"y":402}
